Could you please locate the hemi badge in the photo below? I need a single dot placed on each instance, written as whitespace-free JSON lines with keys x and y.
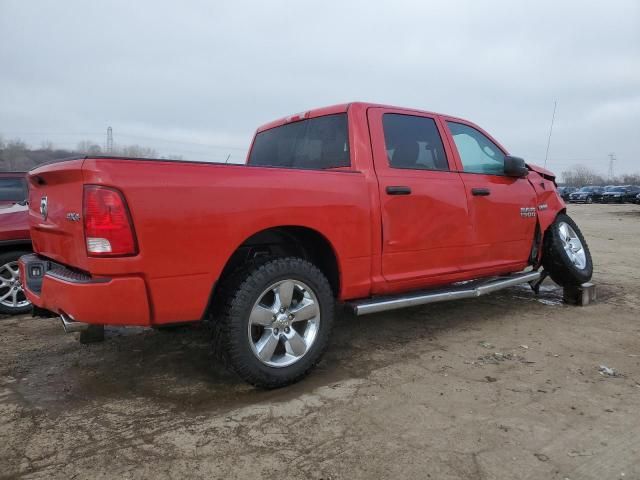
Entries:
{"x":542,"y":206}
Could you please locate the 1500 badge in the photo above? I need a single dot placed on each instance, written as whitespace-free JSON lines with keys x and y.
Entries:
{"x":527,"y":212}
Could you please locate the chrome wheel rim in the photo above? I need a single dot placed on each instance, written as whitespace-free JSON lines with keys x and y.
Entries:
{"x":11,"y":293}
{"x":572,"y":245}
{"x":283,"y":323}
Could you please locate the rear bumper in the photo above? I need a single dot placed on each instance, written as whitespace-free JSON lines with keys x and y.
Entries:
{"x":93,"y":300}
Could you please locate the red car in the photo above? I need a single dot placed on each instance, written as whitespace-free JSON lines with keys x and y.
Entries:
{"x":14,"y":241}
{"x":378,"y":207}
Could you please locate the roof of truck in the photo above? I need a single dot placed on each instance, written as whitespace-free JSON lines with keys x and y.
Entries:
{"x":339,"y":108}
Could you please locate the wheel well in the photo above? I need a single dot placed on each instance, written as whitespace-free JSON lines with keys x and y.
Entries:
{"x":287,"y":241}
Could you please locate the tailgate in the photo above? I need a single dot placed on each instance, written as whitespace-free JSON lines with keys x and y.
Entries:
{"x":55,"y":212}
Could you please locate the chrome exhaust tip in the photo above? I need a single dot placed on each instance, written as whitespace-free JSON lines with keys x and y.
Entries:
{"x":71,"y":326}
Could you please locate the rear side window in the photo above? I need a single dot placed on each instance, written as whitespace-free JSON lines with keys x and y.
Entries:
{"x":316,"y":143}
{"x":477,"y":153}
{"x":413,"y":142}
{"x":13,"y":189}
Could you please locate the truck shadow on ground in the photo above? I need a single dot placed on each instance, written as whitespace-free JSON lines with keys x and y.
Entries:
{"x":178,"y":369}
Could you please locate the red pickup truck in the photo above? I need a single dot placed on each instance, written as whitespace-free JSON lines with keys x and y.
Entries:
{"x":374,"y":206}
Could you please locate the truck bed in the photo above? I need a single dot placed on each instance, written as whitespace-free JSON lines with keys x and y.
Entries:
{"x":189,"y":217}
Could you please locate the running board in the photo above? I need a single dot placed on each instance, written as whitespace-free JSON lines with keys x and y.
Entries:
{"x":472,"y":289}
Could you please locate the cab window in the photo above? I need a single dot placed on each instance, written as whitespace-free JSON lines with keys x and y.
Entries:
{"x":477,"y":153}
{"x":13,"y":189}
{"x":413,"y":142}
{"x":316,"y":143}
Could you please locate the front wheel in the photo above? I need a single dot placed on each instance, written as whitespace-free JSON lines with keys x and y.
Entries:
{"x":275,"y":321}
{"x":566,"y":255}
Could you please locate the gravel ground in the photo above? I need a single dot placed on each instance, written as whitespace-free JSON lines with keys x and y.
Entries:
{"x":504,"y":386}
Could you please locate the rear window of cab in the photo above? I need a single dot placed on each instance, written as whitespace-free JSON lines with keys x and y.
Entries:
{"x":315,"y":143}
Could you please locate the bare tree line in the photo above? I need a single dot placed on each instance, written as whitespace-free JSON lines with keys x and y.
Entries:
{"x":580,"y":175}
{"x":16,"y":155}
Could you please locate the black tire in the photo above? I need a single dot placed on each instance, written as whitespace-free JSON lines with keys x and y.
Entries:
{"x":230,"y":322}
{"x":6,"y":259}
{"x":556,"y":260}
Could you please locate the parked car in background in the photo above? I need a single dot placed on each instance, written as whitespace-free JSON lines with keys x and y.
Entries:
{"x":13,"y":187}
{"x":631,"y":195}
{"x":359,"y":203}
{"x":622,"y":194}
{"x":14,"y":241}
{"x":565,"y":192}
{"x":589,"y":194}
{"x":637,"y":199}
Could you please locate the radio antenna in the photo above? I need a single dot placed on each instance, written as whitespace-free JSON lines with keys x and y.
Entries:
{"x":553,"y":116}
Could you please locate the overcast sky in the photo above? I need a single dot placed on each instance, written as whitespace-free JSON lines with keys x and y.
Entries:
{"x":197,"y":77}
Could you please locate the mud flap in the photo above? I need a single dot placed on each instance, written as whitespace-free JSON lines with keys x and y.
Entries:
{"x":93,"y":334}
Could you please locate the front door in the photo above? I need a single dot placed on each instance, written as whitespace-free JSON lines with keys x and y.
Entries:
{"x":502,"y":210}
{"x":425,"y":223}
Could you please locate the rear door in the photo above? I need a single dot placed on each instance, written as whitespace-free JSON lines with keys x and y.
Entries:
{"x":502,"y":210}
{"x":425,"y":225}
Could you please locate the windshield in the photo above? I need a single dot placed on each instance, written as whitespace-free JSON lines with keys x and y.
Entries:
{"x":618,"y":189}
{"x":588,"y":189}
{"x":13,"y":190}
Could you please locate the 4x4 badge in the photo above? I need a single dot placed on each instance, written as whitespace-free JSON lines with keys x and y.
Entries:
{"x":44,"y":207}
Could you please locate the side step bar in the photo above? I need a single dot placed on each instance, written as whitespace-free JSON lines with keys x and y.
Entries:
{"x":471,"y":289}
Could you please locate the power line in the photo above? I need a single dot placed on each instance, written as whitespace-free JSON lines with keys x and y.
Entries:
{"x":109,"y":140}
{"x":612,"y":158}
{"x":140,"y":137}
{"x":227,"y":147}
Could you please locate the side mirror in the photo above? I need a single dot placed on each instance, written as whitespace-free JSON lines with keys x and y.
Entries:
{"x":515,"y":167}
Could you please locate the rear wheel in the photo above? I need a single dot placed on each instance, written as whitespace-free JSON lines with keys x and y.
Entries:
{"x":275,"y":321}
{"x":12,"y":298}
{"x":566,"y":255}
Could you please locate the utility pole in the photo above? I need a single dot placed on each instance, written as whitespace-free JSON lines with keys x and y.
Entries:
{"x":612,"y":158}
{"x":109,"y":141}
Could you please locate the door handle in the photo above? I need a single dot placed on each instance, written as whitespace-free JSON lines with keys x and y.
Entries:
{"x":480,"y":192}
{"x":398,"y":190}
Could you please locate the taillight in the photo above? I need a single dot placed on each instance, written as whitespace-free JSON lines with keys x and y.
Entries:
{"x":107,"y":224}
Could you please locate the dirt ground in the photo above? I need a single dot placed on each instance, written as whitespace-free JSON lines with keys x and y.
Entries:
{"x":504,"y":386}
